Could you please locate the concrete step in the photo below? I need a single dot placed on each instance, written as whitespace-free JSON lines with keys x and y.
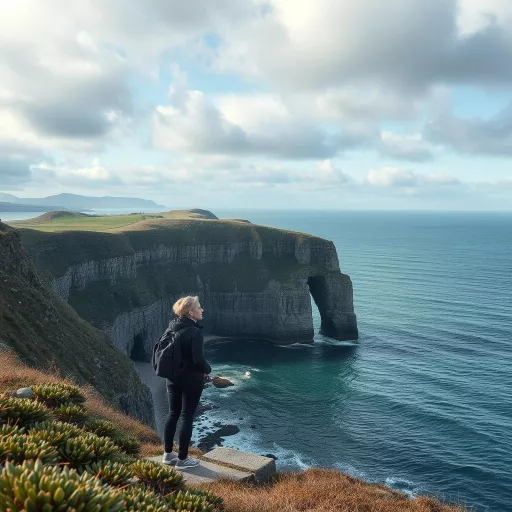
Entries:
{"x":208,"y":472}
{"x":263,"y":468}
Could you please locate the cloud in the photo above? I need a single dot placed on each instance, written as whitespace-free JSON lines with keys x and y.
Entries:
{"x":393,"y":177}
{"x":63,"y":173}
{"x":270,"y":125}
{"x":492,"y":136}
{"x":16,"y":161}
{"x":256,"y":125}
{"x":70,"y":80}
{"x":404,"y":45}
{"x":401,"y":147}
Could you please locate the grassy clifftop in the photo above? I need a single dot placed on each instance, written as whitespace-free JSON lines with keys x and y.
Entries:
{"x":58,"y":240}
{"x":71,"y":221}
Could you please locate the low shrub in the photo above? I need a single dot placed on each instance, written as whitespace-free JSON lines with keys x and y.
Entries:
{"x":22,"y":411}
{"x":35,"y":487}
{"x":55,"y":394}
{"x":71,"y":413}
{"x":86,"y":449}
{"x":189,"y":501}
{"x":137,"y":498}
{"x":20,"y":447}
{"x":209,"y":496}
{"x":7,"y":429}
{"x":158,"y":478}
{"x":128,"y":444}
{"x":102,"y":428}
{"x":55,"y":433}
{"x":123,"y":458}
{"x":111,"y":473}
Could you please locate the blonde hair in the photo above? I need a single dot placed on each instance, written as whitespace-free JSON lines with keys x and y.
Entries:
{"x":182,"y":306}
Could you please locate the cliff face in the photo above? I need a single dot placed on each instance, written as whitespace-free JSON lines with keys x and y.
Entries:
{"x":253,"y":281}
{"x":46,"y":332}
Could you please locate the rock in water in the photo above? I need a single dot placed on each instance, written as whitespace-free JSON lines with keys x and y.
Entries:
{"x":221,"y":382}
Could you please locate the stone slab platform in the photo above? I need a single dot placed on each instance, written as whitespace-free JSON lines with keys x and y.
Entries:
{"x":208,"y":472}
{"x":263,"y":468}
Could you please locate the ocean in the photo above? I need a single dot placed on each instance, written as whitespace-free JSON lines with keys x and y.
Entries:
{"x":423,"y":400}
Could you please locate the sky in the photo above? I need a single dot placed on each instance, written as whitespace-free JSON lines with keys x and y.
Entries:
{"x":321,"y":104}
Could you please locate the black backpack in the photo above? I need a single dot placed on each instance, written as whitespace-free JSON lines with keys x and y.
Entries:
{"x":167,"y":360}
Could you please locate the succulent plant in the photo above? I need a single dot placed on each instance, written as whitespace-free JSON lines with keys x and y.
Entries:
{"x":123,"y":458}
{"x":20,"y":447}
{"x":128,"y":444}
{"x":102,"y":428}
{"x":137,"y":498}
{"x":21,"y":411}
{"x":55,"y":394}
{"x":189,"y":501}
{"x":55,"y":433}
{"x":86,"y":449}
{"x":7,"y":429}
{"x":112,"y":473}
{"x":35,"y":487}
{"x":211,"y":498}
{"x":71,"y":413}
{"x":159,"y":478}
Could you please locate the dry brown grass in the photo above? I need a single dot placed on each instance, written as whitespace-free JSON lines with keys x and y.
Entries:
{"x":14,"y":374}
{"x":319,"y":490}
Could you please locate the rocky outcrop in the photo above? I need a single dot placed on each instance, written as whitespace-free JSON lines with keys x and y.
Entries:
{"x":254,"y":282}
{"x":221,"y":382}
{"x":45,"y":332}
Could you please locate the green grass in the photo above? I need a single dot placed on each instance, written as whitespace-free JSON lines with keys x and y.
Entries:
{"x":73,"y":221}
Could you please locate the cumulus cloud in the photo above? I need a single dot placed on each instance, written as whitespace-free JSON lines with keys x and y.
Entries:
{"x":65,"y":173}
{"x":66,"y":67}
{"x":16,"y":161}
{"x":241,"y":126}
{"x":492,"y":136}
{"x":403,"y":147}
{"x":394,"y":177}
{"x":399,"y":43}
{"x":271,"y":125}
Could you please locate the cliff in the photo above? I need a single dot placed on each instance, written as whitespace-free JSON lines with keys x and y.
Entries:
{"x":46,"y":332}
{"x":254,"y":281}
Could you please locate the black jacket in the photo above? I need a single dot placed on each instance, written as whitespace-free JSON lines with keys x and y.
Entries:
{"x":192,"y":345}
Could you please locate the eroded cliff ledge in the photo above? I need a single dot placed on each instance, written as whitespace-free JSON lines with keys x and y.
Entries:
{"x":254,"y":281}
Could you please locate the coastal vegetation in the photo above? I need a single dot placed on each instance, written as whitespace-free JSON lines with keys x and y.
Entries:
{"x":60,"y":450}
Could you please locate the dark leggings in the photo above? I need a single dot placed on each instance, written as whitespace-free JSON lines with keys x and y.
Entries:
{"x":183,"y":401}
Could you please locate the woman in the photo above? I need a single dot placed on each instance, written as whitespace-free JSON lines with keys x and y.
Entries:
{"x":185,"y":392}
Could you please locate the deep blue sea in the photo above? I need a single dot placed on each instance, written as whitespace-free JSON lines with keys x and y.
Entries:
{"x":423,"y":400}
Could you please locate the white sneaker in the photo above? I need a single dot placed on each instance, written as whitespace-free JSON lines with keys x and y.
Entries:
{"x":189,"y":462}
{"x":170,"y":458}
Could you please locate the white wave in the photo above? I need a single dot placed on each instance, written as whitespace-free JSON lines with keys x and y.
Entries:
{"x":402,"y":485}
{"x":350,"y":470}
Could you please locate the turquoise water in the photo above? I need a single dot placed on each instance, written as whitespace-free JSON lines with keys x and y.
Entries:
{"x":423,"y":400}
